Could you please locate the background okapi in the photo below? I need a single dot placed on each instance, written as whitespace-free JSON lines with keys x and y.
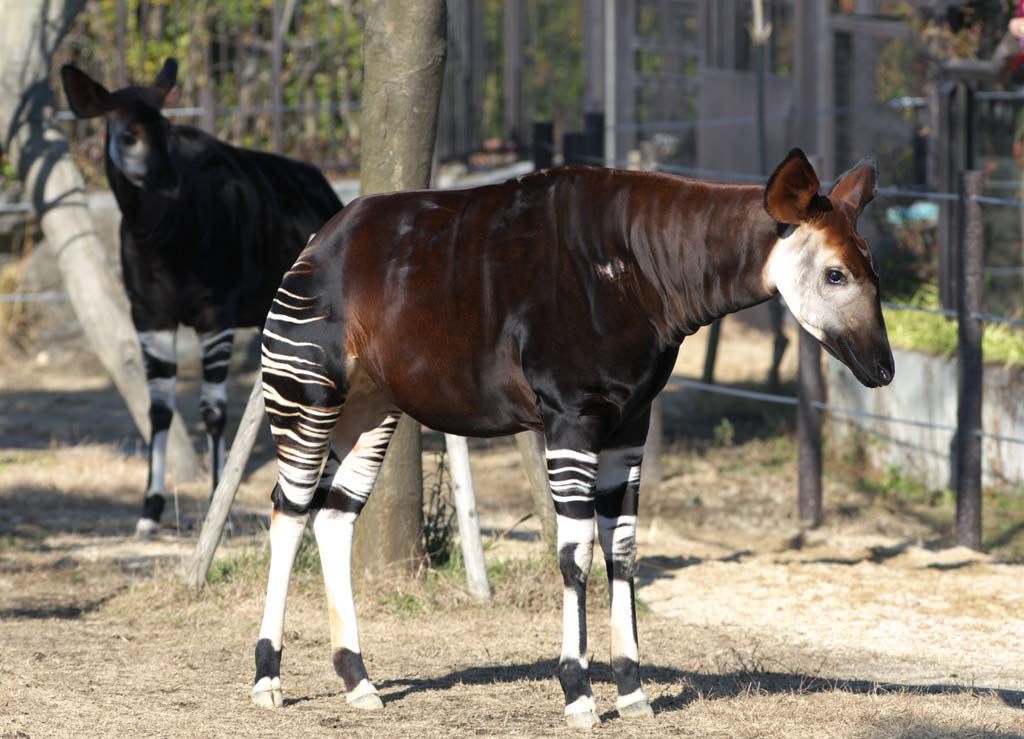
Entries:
{"x":207,"y":231}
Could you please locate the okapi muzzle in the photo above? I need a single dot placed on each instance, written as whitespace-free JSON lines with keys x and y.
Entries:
{"x":825,"y":270}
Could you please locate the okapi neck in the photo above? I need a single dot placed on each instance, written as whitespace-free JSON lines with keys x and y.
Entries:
{"x":705,"y":249}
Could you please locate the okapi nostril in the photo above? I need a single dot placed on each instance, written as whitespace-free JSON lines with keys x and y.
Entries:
{"x":884,"y":375}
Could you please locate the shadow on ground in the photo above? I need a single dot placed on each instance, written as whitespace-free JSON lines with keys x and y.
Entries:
{"x":697,"y":685}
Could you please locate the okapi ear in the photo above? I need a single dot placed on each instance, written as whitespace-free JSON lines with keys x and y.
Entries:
{"x":166,"y":77}
{"x":88,"y":98}
{"x":857,"y":187}
{"x":792,"y":190}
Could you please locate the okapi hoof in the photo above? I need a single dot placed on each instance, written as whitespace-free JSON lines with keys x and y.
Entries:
{"x":637,"y":709}
{"x":267,"y":693}
{"x":364,"y":697}
{"x":146,"y":528}
{"x":583,"y":720}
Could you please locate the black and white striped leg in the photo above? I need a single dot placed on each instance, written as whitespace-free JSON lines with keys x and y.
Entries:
{"x":160,"y":362}
{"x":213,"y":401}
{"x":303,"y":405}
{"x":348,"y":485}
{"x":573,"y":474}
{"x":618,"y":489}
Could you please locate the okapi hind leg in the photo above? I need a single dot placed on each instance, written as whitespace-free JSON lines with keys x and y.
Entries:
{"x":286,"y":529}
{"x":618,"y":489}
{"x":349,"y":483}
{"x":572,"y":473}
{"x":303,"y":398}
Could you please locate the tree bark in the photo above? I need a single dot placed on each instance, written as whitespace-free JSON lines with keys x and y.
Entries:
{"x":404,"y":46}
{"x":29,"y":36}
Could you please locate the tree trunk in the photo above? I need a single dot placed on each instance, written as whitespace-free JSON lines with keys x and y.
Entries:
{"x":404,"y":54}
{"x":29,"y":36}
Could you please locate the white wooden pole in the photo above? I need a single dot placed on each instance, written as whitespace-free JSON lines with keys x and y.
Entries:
{"x":469,"y":521}
{"x":224,"y":495}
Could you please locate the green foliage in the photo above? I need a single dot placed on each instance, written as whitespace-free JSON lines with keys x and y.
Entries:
{"x":725,"y":433}
{"x":438,"y":515}
{"x":553,"y":66}
{"x":252,"y":564}
{"x":935,"y":334}
{"x":224,"y":52}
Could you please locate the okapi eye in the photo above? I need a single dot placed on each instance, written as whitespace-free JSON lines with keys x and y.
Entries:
{"x":127,"y":138}
{"x":834,"y":277}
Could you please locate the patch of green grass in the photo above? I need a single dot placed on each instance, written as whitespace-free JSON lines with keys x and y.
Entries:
{"x":252,"y":564}
{"x":935,"y":334}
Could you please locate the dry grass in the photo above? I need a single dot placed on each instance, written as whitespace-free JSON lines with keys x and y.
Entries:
{"x":767,"y":640}
{"x":750,"y":626}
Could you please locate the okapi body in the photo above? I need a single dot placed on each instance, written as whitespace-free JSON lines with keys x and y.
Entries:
{"x":556,"y":302}
{"x":207,"y":231}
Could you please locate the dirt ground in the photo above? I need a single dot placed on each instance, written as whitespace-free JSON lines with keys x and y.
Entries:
{"x":750,"y":626}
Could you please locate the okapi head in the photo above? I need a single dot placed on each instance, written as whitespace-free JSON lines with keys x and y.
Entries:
{"x":824,"y":268}
{"x":137,"y":134}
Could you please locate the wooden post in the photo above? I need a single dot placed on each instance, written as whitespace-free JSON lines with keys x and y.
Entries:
{"x":531,"y":451}
{"x":969,"y":286}
{"x":38,"y":150}
{"x":469,"y":521}
{"x":404,"y":47}
{"x":224,"y":495}
{"x":811,"y":391}
{"x":650,"y":473}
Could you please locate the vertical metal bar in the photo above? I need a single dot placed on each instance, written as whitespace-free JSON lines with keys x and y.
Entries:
{"x":275,"y":76}
{"x":326,"y":67}
{"x":714,"y":334}
{"x":513,"y":40}
{"x":944,"y":169}
{"x":208,"y":92}
{"x":543,"y":144}
{"x":122,"y":65}
{"x":811,"y":391}
{"x":968,"y":442}
{"x":611,"y":114}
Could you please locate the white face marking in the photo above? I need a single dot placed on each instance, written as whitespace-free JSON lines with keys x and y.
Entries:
{"x":131,"y":160}
{"x":797,"y":267}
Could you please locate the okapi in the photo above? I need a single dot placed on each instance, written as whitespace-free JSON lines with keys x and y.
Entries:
{"x":555,"y":302}
{"x":207,"y":231}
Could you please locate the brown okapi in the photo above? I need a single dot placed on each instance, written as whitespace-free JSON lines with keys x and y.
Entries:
{"x":554,"y":302}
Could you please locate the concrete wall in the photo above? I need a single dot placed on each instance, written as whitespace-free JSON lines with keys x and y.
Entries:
{"x":925,"y":389}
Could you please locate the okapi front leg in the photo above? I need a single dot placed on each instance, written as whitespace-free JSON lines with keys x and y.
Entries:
{"x":618,"y":489}
{"x":573,"y":475}
{"x":160,"y":362}
{"x":213,"y":402}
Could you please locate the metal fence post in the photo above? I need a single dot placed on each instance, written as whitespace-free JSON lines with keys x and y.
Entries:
{"x":808,"y":416}
{"x":969,"y":286}
{"x":276,"y":51}
{"x":543,"y":144}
